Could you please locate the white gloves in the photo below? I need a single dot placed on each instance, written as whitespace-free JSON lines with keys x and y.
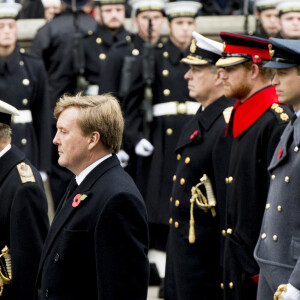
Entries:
{"x":43,"y":175}
{"x":144,"y":148}
{"x":123,"y":158}
{"x":291,"y":293}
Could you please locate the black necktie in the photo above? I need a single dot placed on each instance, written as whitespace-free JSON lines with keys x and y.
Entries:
{"x":71,"y":188}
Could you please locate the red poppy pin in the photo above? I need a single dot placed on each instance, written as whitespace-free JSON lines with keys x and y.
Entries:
{"x":256,"y":57}
{"x":280,"y":152}
{"x":194,"y":134}
{"x":77,"y":199}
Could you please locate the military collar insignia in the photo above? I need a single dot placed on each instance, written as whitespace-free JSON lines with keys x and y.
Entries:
{"x":194,"y":135}
{"x":77,"y":199}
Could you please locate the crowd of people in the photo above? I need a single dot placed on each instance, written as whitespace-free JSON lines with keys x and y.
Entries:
{"x":172,"y":160}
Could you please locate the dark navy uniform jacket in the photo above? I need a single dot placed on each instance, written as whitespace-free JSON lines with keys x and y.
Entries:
{"x":193,"y":269}
{"x":23,"y":84}
{"x":97,"y":47}
{"x":54,"y":44}
{"x":169,"y":86}
{"x":24,"y":223}
{"x":256,"y":127}
{"x":97,"y":248}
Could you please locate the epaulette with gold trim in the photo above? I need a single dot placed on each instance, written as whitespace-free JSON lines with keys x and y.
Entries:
{"x":280,"y":112}
{"x":227,"y":113}
{"x":25,"y":172}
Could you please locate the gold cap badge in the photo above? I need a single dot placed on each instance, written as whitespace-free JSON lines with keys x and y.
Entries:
{"x":193,"y":47}
{"x":272,"y":52}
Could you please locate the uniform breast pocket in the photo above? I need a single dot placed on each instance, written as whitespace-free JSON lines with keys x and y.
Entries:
{"x":75,"y":244}
{"x":295,"y":248}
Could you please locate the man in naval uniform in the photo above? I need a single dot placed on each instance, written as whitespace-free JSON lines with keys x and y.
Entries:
{"x":154,"y":140}
{"x":23,"y":216}
{"x":109,"y":31}
{"x":267,"y":18}
{"x":256,"y":124}
{"x":23,"y":84}
{"x":54,"y":43}
{"x":193,"y":251}
{"x":278,"y":248}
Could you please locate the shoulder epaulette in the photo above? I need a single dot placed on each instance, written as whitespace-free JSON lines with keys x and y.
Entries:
{"x":25,"y":173}
{"x":227,"y":113}
{"x":280,"y":112}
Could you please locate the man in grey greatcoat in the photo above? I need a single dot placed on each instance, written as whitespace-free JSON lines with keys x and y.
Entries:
{"x":278,"y":248}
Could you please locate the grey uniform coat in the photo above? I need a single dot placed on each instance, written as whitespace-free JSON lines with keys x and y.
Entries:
{"x":278,"y":248}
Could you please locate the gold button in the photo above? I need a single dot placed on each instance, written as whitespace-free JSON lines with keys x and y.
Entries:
{"x":23,"y":142}
{"x":26,"y":81}
{"x":90,"y":32}
{"x":102,"y":56}
{"x":273,"y":177}
{"x":275,"y":105}
{"x":25,"y":101}
{"x":279,"y":208}
{"x":170,"y":220}
{"x":174,"y":177}
{"x":177,"y":203}
{"x":167,"y":92}
{"x":182,"y":181}
{"x":21,"y":63}
{"x":279,"y":110}
{"x":296,"y":149}
{"x":230,"y":179}
{"x":98,"y":40}
{"x":176,"y":224}
{"x":160,"y":45}
{"x":230,"y":285}
{"x":187,"y":160}
{"x":165,"y":73}
{"x":287,"y":179}
{"x":128,"y":38}
{"x":135,"y":52}
{"x":169,"y":131}
{"x":275,"y":238}
{"x":263,"y":236}
{"x":224,"y":232}
{"x":229,"y":231}
{"x":166,"y":54}
{"x":222,"y":286}
{"x":22,"y":50}
{"x":171,"y":199}
{"x":178,"y":156}
{"x":268,"y":205}
{"x":226,"y":180}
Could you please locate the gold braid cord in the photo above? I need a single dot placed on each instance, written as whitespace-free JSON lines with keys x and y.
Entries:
{"x":205,"y":203}
{"x":280,"y":289}
{"x":5,"y":268}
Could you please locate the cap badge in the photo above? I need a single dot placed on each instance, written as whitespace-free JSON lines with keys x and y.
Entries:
{"x":193,"y":47}
{"x":272,"y":52}
{"x":256,"y":57}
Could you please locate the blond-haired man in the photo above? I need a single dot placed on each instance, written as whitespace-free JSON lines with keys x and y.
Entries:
{"x":99,"y":236}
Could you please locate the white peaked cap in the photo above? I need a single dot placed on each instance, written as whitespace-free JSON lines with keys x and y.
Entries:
{"x":9,"y":9}
{"x":266,"y":3}
{"x":207,"y":44}
{"x":182,"y":8}
{"x":146,"y":5}
{"x":47,"y":3}
{"x":288,"y":6}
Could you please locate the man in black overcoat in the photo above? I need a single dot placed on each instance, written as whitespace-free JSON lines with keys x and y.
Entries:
{"x":98,"y":242}
{"x":256,"y":124}
{"x":193,"y":250}
{"x":23,"y":216}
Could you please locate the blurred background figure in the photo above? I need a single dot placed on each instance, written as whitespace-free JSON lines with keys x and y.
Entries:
{"x":267,"y":18}
{"x":222,"y":7}
{"x":289,"y":16}
{"x":51,"y":8}
{"x":60,"y":45}
{"x":23,"y":84}
{"x":32,"y":9}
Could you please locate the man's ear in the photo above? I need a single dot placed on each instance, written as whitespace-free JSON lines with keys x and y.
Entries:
{"x":219,"y":79}
{"x":254,"y":71}
{"x":94,"y":139}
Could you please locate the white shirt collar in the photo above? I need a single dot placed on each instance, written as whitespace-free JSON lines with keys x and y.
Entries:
{"x":87,"y":170}
{"x":297,"y":113}
{"x":5,"y":149}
